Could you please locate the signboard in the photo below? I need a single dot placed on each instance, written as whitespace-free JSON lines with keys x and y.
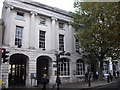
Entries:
{"x":33,"y":75}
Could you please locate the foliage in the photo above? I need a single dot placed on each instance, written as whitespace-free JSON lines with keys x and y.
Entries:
{"x":97,"y":26}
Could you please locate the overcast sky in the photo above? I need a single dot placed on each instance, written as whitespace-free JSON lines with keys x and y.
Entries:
{"x":62,"y":4}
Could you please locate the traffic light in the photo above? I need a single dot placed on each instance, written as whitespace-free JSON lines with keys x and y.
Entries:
{"x":4,"y":55}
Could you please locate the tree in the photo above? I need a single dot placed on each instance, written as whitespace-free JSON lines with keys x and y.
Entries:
{"x":97,"y":26}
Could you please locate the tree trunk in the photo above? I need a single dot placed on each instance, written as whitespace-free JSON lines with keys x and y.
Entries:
{"x":101,"y":70}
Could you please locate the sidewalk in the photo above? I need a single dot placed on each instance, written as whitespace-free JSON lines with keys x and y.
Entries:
{"x":77,"y":85}
{"x":85,"y":84}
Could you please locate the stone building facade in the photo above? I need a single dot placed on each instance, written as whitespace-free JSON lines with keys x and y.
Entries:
{"x":33,"y":34}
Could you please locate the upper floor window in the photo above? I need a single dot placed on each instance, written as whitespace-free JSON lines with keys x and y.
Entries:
{"x":42,"y":20}
{"x":20,"y":15}
{"x":42,"y":39}
{"x":61,"y":25}
{"x":18,"y":36}
{"x":77,"y":44}
{"x":80,"y":69}
{"x":61,"y":42}
{"x":64,"y":67}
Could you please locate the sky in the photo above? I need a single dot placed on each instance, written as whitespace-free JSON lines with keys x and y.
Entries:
{"x":62,"y":4}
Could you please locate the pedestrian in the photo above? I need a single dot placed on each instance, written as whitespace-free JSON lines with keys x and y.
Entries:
{"x":117,"y":73}
{"x":110,"y":76}
{"x":45,"y":81}
{"x":58,"y":81}
{"x":86,"y":77}
{"x":89,"y":78}
{"x":96,"y":75}
{"x":114,"y":75}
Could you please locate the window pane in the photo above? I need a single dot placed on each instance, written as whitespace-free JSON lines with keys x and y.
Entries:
{"x":64,"y":67}
{"x":18,"y":35}
{"x":61,"y":25}
{"x":42,"y":20}
{"x":80,"y":68}
{"x":42,"y":39}
{"x":20,"y":15}
{"x":61,"y":42}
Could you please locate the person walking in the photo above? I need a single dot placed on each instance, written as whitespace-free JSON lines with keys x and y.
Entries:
{"x":117,"y":75}
{"x":45,"y":81}
{"x":114,"y":75}
{"x":86,"y":77}
{"x":111,"y":77}
{"x":57,"y":82}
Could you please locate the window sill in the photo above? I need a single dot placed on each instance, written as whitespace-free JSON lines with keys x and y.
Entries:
{"x":62,"y":29}
{"x":42,"y":24}
{"x":80,"y":76}
{"x":20,"y":19}
{"x":65,"y":76}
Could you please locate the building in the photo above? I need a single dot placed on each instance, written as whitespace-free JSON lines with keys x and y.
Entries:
{"x":33,"y":34}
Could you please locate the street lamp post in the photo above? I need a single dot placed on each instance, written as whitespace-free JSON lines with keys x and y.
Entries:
{"x":57,"y":63}
{"x":58,"y":81}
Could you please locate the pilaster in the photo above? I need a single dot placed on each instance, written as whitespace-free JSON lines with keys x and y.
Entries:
{"x":32,"y":34}
{"x":7,"y":21}
{"x":71,"y":38}
{"x":53,"y":34}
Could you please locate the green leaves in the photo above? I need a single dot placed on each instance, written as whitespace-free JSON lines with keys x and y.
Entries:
{"x":97,"y":26}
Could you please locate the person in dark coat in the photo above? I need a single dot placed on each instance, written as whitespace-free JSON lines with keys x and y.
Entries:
{"x":114,"y":75}
{"x":45,"y":81}
{"x":111,"y":78}
{"x":86,"y":77}
{"x":117,"y":73}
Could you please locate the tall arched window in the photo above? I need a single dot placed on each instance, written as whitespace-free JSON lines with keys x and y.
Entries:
{"x":64,"y":67}
{"x":80,"y":67}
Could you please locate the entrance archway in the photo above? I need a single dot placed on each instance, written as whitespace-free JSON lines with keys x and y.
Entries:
{"x":43,"y":63}
{"x":17,"y":70}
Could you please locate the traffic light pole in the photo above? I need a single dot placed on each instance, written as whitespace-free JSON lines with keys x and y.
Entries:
{"x":57,"y":58}
{"x":0,"y":69}
{"x":1,"y":35}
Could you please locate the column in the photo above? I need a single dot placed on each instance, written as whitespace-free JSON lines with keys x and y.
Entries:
{"x":53,"y":34}
{"x":7,"y":24}
{"x":32,"y":34}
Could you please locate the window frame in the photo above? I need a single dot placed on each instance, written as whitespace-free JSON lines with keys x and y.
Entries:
{"x":18,"y":35}
{"x":64,"y":67}
{"x":42,"y":20}
{"x":42,"y":39}
{"x":20,"y":15}
{"x":80,"y":68}
{"x":77,"y":46}
{"x":61,"y":25}
{"x":61,"y":42}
